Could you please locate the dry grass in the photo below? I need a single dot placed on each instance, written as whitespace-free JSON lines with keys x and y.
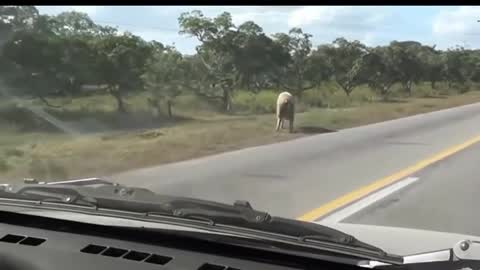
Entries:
{"x":52,"y":156}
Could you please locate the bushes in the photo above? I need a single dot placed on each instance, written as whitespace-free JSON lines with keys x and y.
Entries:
{"x":263,"y":102}
{"x":3,"y":165}
{"x":314,"y":98}
{"x":98,"y":112}
{"x":329,"y":95}
{"x":13,"y":152}
{"x":47,"y":169}
{"x":23,"y":119}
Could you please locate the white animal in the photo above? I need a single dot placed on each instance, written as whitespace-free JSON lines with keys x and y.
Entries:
{"x":285,"y":110}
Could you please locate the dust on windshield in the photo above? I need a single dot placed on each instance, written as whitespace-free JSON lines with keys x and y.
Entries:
{"x":126,"y":93}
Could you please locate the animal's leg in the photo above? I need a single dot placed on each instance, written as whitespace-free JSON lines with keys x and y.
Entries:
{"x":291,"y":125}
{"x":283,"y":122}
{"x":278,"y":124}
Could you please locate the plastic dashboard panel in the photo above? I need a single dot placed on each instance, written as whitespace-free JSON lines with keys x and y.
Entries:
{"x":64,"y":250}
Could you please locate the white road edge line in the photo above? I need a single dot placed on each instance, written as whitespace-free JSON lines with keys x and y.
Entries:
{"x":342,"y":214}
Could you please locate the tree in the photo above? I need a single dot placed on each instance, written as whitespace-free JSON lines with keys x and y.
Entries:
{"x":474,"y":63}
{"x":432,"y":63}
{"x":52,"y":56}
{"x":74,"y":24}
{"x":298,"y":44}
{"x":14,"y":19}
{"x":36,"y":59}
{"x":218,"y":38}
{"x":458,"y":66}
{"x":257,"y":57}
{"x":344,"y":57}
{"x":75,"y":30}
{"x":378,"y":70}
{"x":120,"y":61}
{"x":164,"y":78}
{"x":319,"y":69}
{"x":407,"y":63}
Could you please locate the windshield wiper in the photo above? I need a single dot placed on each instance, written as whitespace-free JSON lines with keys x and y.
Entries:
{"x":140,"y":200}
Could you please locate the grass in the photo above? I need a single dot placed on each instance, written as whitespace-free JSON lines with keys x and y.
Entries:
{"x":196,"y":132}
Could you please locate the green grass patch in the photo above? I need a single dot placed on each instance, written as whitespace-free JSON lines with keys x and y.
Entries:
{"x":110,"y":142}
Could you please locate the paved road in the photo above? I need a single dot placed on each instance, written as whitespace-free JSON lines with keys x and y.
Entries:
{"x":291,"y":178}
{"x":444,"y":198}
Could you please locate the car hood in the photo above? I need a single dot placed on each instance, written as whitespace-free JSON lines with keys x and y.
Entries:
{"x":414,"y":245}
{"x":402,"y":241}
{"x":394,"y":240}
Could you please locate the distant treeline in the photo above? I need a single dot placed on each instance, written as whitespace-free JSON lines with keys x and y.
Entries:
{"x":45,"y":56}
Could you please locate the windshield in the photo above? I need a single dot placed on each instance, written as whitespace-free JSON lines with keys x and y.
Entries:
{"x":363,"y":119}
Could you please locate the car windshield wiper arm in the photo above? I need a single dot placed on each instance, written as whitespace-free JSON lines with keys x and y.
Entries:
{"x":240,"y":214}
{"x":139,"y":200}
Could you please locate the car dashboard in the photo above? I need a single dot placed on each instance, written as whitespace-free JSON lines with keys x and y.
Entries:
{"x":41,"y":244}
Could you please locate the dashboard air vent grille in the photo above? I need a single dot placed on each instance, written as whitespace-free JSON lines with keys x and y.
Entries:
{"x":22,"y":240}
{"x":132,"y":255}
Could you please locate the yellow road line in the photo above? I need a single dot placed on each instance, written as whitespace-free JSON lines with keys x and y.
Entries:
{"x":380,"y":183}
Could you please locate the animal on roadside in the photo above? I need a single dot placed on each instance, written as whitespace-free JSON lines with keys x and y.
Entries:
{"x":285,"y":110}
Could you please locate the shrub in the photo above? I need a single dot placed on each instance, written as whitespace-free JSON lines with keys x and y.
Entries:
{"x":13,"y":152}
{"x":4,"y":165}
{"x":263,"y":102}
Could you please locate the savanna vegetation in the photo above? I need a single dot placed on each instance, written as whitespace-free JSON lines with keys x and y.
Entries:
{"x":83,"y":99}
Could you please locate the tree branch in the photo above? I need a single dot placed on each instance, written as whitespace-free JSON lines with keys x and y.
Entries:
{"x":45,"y":101}
{"x":205,"y":63}
{"x":308,"y":87}
{"x":286,"y":87}
{"x":204,"y":95}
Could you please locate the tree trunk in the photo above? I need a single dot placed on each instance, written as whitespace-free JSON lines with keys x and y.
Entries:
{"x":408,"y":87}
{"x":299,"y":91}
{"x":384,"y":92}
{"x":345,"y":89}
{"x":278,"y":84}
{"x":120,"y":103}
{"x":45,"y":101}
{"x":155,"y":105}
{"x":169,"y":108}
{"x":227,"y":101}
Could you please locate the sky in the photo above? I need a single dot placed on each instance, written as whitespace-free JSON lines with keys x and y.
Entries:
{"x":443,"y":26}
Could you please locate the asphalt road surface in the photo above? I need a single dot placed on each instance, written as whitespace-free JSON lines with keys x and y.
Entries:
{"x":445,"y":197}
{"x":292,"y":178}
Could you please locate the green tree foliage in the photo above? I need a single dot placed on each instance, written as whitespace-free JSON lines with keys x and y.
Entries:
{"x":258,"y":58}
{"x":379,"y":70}
{"x":345,"y":59}
{"x":45,"y":56}
{"x":120,"y":61}
{"x":165,"y":78}
{"x":299,"y":46}
{"x":216,"y":52}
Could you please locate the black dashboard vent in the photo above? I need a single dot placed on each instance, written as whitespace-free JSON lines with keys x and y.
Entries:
{"x":132,"y":255}
{"x":114,"y":252}
{"x":136,"y":256}
{"x":22,"y":240}
{"x":209,"y":266}
{"x":32,"y":241}
{"x":93,"y":249}
{"x":11,"y":238}
{"x":158,"y":259}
